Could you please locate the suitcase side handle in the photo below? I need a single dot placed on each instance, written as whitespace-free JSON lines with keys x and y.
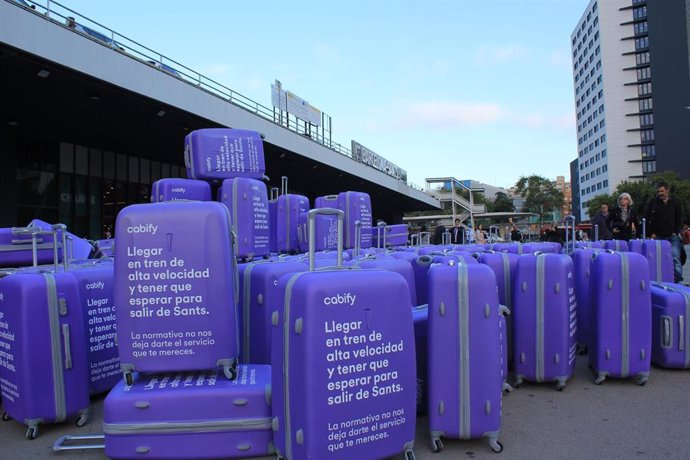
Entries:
{"x":311,"y":214}
{"x":284,"y":185}
{"x":358,"y":239}
{"x":275,"y":191}
{"x":61,"y":443}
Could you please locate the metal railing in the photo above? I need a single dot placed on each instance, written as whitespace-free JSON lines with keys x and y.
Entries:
{"x":65,"y":17}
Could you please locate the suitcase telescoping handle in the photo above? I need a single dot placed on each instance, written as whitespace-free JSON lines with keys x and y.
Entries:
{"x":35,"y":232}
{"x":283,"y":185}
{"x":445,"y":237}
{"x":569,"y":234}
{"x":358,"y":239}
{"x":61,"y":443}
{"x":644,"y":229}
{"x":596,"y":232}
{"x":275,"y":191}
{"x":312,"y":233}
{"x":381,"y":235}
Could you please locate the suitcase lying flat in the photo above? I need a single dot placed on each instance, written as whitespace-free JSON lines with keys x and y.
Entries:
{"x":344,"y":378}
{"x":172,"y":189}
{"x":191,"y":415}
{"x":16,"y":247}
{"x":622,"y":317}
{"x":77,"y":248}
{"x":671,"y":325}
{"x":544,"y":319}
{"x":464,"y":357}
{"x":222,"y":153}
{"x":175,"y":288}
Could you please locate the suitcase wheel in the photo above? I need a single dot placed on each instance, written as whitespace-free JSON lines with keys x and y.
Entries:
{"x":436,"y":445}
{"x":641,"y":380}
{"x":560,"y":386}
{"x":409,"y":455}
{"x":599,"y":379}
{"x":496,"y":446}
{"x":230,"y":372}
{"x":32,"y":433}
{"x":83,"y":419}
{"x":128,"y":378}
{"x":5,"y":417}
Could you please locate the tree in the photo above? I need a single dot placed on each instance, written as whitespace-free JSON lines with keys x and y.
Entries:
{"x":502,"y":203}
{"x":541,"y":196}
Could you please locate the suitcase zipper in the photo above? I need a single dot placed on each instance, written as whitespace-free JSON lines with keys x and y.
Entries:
{"x":625,"y":314}
{"x":208,"y":426}
{"x":464,"y":343}
{"x":539,"y":361}
{"x":56,"y":349}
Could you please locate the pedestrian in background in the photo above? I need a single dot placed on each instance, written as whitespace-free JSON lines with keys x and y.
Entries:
{"x":663,"y":214}
{"x":622,"y":221}
{"x":599,"y":221}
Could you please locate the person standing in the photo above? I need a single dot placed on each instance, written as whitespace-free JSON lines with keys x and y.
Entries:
{"x":456,"y":233}
{"x":515,"y":235}
{"x":599,"y":221}
{"x":479,"y":235}
{"x":663,"y":214}
{"x":622,"y":221}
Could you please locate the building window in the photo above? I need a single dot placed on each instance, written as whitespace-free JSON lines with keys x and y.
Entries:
{"x":647,"y":119}
{"x":642,"y":58}
{"x":603,"y":153}
{"x":649,"y":166}
{"x":599,"y":186}
{"x":648,"y":151}
{"x":647,"y":135}
{"x":641,"y":27}
{"x":640,"y":13}
{"x":641,"y":43}
{"x":606,"y":182}
{"x":644,"y":89}
{"x":644,"y":73}
{"x":604,"y":168}
{"x":646,"y":104}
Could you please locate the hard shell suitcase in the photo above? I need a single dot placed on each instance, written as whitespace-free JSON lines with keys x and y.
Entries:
{"x":104,"y":248}
{"x":615,"y":245}
{"x":582,"y":270}
{"x":389,"y":235}
{"x":357,"y":207}
{"x":172,"y":189}
{"x":188,"y":415}
{"x":288,"y":209}
{"x":420,"y":316}
{"x":216,"y":154}
{"x":326,"y":232}
{"x":175,"y":288}
{"x":259,"y":296}
{"x":247,"y":201}
{"x":43,"y":362}
{"x":384,"y":262}
{"x":622,"y":317}
{"x":77,"y":248}
{"x":326,"y":201}
{"x":660,"y":260}
{"x":544,"y":319}
{"x":671,"y":325}
{"x":464,"y":361}
{"x":24,"y":246}
{"x":504,"y":314}
{"x":273,"y":220}
{"x":635,"y":246}
{"x":340,"y":364}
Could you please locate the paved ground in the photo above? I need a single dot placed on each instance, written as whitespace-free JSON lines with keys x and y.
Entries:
{"x":617,"y":419}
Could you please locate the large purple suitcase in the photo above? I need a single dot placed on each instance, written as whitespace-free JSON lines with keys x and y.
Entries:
{"x":635,"y":246}
{"x":17,"y":246}
{"x":191,"y":415}
{"x":660,"y":260}
{"x":389,"y":235}
{"x":420,"y":316}
{"x":615,"y":245}
{"x":326,"y":232}
{"x":326,"y":201}
{"x":582,"y":270}
{"x":222,"y":153}
{"x":622,"y":317}
{"x":464,"y":361}
{"x":172,"y":189}
{"x":175,"y":287}
{"x":288,"y":209}
{"x":544,"y":319}
{"x":247,"y":201}
{"x":257,"y":301}
{"x":671,"y":325}
{"x":384,"y":262}
{"x":357,"y":207}
{"x":43,"y":363}
{"x":273,"y":220}
{"x":77,"y":248}
{"x":340,"y":364}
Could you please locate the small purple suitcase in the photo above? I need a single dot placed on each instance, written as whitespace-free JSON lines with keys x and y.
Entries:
{"x":43,"y":365}
{"x":288,"y":209}
{"x":247,"y":201}
{"x":175,"y":288}
{"x":357,"y":207}
{"x":389,"y":235}
{"x":464,"y":357}
{"x":544,"y":319}
{"x":258,"y":283}
{"x":622,"y":317}
{"x":326,"y":201}
{"x":671,"y":325}
{"x":326,"y":233}
{"x":635,"y":246}
{"x":216,"y":154}
{"x":338,"y":358}
{"x":171,"y":189}
{"x":191,"y":415}
{"x":660,"y":260}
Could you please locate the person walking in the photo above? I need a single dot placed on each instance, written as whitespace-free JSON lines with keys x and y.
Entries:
{"x":456,"y":233}
{"x":663,"y":214}
{"x":599,"y":221}
{"x":622,"y":221}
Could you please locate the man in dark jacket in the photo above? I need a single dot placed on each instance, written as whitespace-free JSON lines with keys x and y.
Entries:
{"x":599,"y":221}
{"x":456,"y":234}
{"x":663,"y":216}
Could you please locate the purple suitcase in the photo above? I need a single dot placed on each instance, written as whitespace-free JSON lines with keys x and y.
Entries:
{"x":326,"y":233}
{"x":582,"y":269}
{"x":258,"y":285}
{"x":326,"y":201}
{"x":635,"y":246}
{"x":622,"y":317}
{"x":77,"y":248}
{"x":420,"y":316}
{"x":357,"y":207}
{"x":216,"y":154}
{"x":340,"y":364}
{"x":17,"y":246}
{"x":544,"y":319}
{"x":464,"y":368}
{"x":389,"y":235}
{"x":191,"y":415}
{"x":503,"y":333}
{"x":615,"y":245}
{"x":170,"y":189}
{"x":104,"y":248}
{"x":671,"y":325}
{"x":288,"y":209}
{"x":384,"y":262}
{"x":660,"y":260}
{"x":43,"y":364}
{"x":247,"y":201}
{"x":175,"y":288}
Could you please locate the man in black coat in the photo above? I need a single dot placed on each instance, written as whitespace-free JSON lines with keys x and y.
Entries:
{"x":599,"y":221}
{"x":456,"y":233}
{"x":664,"y":221}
